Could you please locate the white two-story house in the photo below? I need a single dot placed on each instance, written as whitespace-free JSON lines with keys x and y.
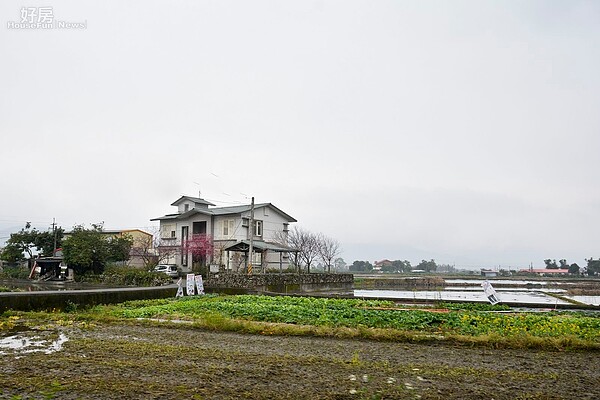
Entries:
{"x":228,"y":228}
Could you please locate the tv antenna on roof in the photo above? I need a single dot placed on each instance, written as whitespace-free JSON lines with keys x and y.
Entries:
{"x":199,"y":191}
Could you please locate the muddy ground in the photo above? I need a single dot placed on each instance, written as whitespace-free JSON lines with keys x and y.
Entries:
{"x":154,"y":362}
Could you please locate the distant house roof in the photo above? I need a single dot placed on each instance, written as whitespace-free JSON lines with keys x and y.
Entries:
{"x":118,"y":231}
{"x":115,"y":232}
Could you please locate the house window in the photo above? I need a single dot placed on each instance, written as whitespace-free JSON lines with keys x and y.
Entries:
{"x":227,"y":227}
{"x":286,"y":227}
{"x":167,"y":231}
{"x":186,"y":207}
{"x":258,"y":228}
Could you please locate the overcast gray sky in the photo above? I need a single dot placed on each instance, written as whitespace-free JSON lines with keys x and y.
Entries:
{"x":464,"y":131}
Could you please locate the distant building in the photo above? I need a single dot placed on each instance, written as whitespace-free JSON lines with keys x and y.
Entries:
{"x":488,"y":273}
{"x":383,"y":263}
{"x":545,"y":271}
{"x":142,"y":245}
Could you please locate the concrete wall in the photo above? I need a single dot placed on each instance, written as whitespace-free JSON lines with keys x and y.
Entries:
{"x":48,"y":300}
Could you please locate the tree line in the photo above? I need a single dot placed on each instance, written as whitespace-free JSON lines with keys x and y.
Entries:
{"x":396,"y":266}
{"x":86,"y":250}
{"x":591,"y":269}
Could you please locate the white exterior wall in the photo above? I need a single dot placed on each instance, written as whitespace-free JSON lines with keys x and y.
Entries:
{"x":181,"y":206}
{"x":273,"y":224}
{"x":235,"y":229}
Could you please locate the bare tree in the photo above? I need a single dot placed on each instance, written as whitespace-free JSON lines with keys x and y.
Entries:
{"x":144,"y":248}
{"x":310,"y":247}
{"x":289,"y":239}
{"x":328,"y":249}
{"x":307,"y":245}
{"x":152,"y":250}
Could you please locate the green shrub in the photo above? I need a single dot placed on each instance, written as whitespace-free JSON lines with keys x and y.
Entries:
{"x":14,"y":273}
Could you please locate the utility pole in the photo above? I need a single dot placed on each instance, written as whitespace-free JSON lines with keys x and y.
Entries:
{"x":251,"y":231}
{"x":54,"y":232}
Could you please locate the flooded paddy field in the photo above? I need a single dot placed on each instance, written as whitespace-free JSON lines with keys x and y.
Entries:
{"x":534,"y":292}
{"x":139,"y":361}
{"x":505,"y":297}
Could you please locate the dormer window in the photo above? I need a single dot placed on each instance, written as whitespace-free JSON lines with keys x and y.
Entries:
{"x":186,"y":207}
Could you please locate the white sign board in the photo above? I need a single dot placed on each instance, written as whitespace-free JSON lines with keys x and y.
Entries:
{"x":490,"y":292}
{"x":199,"y":284}
{"x":190,"y":284}
{"x":179,"y":288}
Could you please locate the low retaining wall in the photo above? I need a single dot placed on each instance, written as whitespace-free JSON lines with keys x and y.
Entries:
{"x":227,"y":283}
{"x":408,"y":282}
{"x":48,"y":300}
{"x":281,"y":283}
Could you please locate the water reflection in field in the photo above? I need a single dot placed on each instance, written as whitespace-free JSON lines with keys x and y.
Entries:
{"x":507,"y":297}
{"x":512,"y":282}
{"x":33,"y":286}
{"x":591,"y":300}
{"x":31,"y":342}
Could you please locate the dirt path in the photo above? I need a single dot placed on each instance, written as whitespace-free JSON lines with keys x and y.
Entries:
{"x":141,"y":362}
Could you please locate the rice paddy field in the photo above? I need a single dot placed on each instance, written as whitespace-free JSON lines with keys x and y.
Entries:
{"x":260,"y":347}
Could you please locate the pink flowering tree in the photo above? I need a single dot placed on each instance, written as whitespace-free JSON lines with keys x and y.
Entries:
{"x":201,"y":246}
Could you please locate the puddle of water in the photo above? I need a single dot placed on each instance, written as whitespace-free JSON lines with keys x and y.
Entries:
{"x":24,"y":343}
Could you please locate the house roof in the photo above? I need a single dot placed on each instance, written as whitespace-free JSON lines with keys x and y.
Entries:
{"x":221,"y":211}
{"x":196,"y":200}
{"x":117,"y":231}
